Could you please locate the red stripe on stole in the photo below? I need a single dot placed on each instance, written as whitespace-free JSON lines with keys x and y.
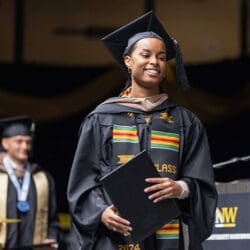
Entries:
{"x":125,"y":134}
{"x":170,"y":227}
{"x":165,"y":140}
{"x":155,"y":137}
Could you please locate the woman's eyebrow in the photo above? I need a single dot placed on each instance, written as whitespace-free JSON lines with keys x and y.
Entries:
{"x":148,"y":50}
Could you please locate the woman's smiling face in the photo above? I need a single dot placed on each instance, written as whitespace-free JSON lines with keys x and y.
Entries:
{"x":147,"y":62}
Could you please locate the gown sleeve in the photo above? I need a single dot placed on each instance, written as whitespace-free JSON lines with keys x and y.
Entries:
{"x":197,"y":168}
{"x":86,"y":202}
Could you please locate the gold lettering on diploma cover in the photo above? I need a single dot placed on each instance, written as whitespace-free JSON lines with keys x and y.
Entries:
{"x":124,"y":158}
{"x":165,"y":168}
{"x":129,"y":247}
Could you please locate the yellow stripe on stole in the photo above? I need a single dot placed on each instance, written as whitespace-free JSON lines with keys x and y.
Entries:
{"x":132,"y":137}
{"x":42,"y":195}
{"x":167,"y":137}
{"x":129,"y":130}
{"x":165,"y":143}
{"x":169,"y":231}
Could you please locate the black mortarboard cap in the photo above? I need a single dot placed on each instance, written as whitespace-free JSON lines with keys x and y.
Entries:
{"x":17,"y":125}
{"x":117,"y":41}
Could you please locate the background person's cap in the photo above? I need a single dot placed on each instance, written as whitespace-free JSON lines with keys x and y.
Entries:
{"x":16,"y":125}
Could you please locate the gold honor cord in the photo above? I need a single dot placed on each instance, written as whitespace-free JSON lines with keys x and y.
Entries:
{"x":10,"y":220}
{"x":3,"y":210}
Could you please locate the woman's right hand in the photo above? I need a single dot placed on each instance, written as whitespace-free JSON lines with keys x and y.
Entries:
{"x":114,"y":222}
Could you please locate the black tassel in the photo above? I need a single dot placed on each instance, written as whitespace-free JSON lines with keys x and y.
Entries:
{"x":180,"y":69}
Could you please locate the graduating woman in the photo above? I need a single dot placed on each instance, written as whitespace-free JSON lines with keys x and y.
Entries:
{"x":143,"y":118}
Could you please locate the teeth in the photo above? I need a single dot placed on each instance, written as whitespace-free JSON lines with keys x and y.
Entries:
{"x":153,"y":71}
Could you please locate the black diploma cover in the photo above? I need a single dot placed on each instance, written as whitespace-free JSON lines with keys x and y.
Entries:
{"x":125,"y":187}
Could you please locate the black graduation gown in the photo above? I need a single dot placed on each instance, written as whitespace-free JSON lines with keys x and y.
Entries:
{"x":21,"y":234}
{"x":95,"y":157}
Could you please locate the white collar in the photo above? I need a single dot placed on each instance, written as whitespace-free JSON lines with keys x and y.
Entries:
{"x":14,"y":165}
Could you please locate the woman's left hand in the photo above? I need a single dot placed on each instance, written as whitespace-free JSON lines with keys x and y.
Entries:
{"x":163,"y":188}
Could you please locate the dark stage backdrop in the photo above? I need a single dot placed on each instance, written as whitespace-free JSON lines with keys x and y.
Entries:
{"x":58,"y":99}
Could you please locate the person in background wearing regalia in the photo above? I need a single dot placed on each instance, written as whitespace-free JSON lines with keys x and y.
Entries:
{"x":143,"y":118}
{"x":28,"y":215}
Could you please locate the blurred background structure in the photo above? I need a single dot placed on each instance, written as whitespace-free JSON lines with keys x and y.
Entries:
{"x":54,"y":69}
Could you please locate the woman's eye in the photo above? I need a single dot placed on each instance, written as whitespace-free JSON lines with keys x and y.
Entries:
{"x":145,"y":55}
